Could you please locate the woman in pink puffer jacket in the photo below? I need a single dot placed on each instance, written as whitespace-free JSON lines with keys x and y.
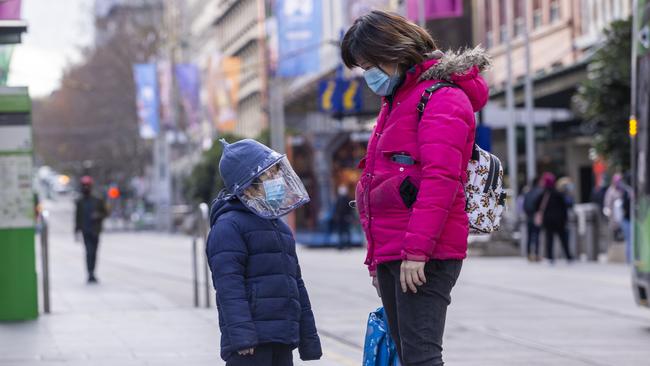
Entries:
{"x":411,"y":198}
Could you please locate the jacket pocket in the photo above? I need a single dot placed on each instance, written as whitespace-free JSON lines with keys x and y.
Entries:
{"x":408,"y":191}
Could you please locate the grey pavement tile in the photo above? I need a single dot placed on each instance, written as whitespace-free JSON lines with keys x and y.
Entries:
{"x":504,"y":311}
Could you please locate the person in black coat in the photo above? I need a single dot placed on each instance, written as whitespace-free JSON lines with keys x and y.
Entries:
{"x":553,"y":207}
{"x":90,"y":212}
{"x":531,"y":201}
{"x":263,"y":304}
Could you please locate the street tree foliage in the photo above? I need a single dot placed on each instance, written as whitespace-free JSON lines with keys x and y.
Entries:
{"x":89,"y":125}
{"x":603,"y":99}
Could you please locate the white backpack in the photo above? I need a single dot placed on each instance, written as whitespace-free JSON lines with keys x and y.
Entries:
{"x":484,"y":191}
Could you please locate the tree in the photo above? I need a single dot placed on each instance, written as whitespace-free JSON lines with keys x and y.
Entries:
{"x":603,"y":99}
{"x":89,"y":125}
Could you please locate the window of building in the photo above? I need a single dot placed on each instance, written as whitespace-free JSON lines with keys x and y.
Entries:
{"x":503,"y":21}
{"x":519,"y":17}
{"x":555,"y":11}
{"x":537,"y":14}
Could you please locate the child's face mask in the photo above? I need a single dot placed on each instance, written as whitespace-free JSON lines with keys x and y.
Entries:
{"x":275,"y":192}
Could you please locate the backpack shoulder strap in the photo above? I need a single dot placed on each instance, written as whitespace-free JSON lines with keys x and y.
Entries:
{"x":426,"y":95}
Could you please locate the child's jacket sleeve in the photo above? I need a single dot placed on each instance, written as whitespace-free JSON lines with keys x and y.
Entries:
{"x":227,"y":257}
{"x":309,"y":348}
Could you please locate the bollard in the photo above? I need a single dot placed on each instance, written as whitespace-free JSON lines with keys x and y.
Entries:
{"x":204,"y":225}
{"x":573,"y":234}
{"x":45,"y":260}
{"x":592,"y":234}
{"x":195,"y":272}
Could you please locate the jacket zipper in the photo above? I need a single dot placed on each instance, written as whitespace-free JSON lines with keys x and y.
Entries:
{"x":284,"y":253}
{"x":371,"y":249}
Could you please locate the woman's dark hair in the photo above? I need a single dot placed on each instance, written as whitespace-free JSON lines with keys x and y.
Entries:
{"x":381,"y":37}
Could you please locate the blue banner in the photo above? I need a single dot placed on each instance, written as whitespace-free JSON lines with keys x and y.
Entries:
{"x":340,"y":96}
{"x":189,"y":84}
{"x":299,"y":34}
{"x":146,"y":85}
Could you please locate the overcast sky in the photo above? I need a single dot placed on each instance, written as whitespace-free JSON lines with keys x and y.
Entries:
{"x":58,"y":29}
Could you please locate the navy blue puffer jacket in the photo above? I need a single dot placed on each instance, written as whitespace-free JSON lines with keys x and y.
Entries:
{"x":261,"y":297}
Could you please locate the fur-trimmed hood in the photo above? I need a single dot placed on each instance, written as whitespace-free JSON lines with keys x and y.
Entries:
{"x":458,"y":62}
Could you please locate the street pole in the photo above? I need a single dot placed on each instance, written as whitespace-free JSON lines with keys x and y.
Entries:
{"x":162,"y":147}
{"x":531,"y":165}
{"x":421,"y":19}
{"x":633,"y":122}
{"x":510,"y":105}
{"x":273,"y":90}
{"x":276,"y":111}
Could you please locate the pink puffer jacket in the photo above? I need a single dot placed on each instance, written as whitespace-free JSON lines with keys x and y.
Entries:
{"x":436,"y":225}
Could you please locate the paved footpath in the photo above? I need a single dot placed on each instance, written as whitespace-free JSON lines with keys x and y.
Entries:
{"x":504,"y":311}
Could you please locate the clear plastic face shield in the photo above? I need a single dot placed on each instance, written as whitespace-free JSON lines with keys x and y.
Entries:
{"x":275,"y":192}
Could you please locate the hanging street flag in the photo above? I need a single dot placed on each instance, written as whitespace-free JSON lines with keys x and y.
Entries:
{"x":10,"y":9}
{"x":189,"y":85}
{"x":223,"y":91}
{"x":145,"y":77}
{"x":434,"y":9}
{"x":340,"y":96}
{"x":165,"y":87}
{"x":300,"y":25}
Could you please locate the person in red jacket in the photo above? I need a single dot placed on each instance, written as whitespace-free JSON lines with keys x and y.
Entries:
{"x":410,"y":197}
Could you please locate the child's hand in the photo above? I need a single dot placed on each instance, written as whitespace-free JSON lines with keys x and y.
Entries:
{"x":246,"y":352}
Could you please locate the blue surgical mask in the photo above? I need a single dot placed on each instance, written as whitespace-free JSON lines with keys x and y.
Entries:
{"x":379,"y":82}
{"x":275,"y":190}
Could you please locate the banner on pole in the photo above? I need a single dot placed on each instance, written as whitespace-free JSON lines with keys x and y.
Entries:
{"x":223,"y":91}
{"x":147,"y":99}
{"x":300,"y":25}
{"x":340,"y":96}
{"x":10,"y":9}
{"x":189,"y":85}
{"x":434,"y":9}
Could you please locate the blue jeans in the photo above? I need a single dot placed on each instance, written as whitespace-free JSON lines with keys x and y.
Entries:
{"x":627,"y":233}
{"x":417,"y":321}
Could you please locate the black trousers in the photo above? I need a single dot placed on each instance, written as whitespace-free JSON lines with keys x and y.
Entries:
{"x":563,"y":233}
{"x":417,"y":321}
{"x":271,"y":354}
{"x":91,"y":242}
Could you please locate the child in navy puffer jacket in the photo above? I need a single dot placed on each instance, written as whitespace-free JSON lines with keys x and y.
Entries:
{"x":264,"y":308}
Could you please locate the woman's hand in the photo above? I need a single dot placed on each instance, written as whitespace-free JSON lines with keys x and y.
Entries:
{"x":375,"y":283}
{"x":411,"y":275}
{"x":246,"y":352}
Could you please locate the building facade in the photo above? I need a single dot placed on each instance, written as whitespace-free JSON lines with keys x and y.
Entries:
{"x":239,"y":31}
{"x":563,"y":34}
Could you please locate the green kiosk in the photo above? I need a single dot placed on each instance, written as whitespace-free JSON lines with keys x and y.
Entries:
{"x":18,"y":289}
{"x":18,"y":299}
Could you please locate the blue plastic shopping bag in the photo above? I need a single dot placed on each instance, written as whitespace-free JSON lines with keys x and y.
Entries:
{"x":379,"y":349}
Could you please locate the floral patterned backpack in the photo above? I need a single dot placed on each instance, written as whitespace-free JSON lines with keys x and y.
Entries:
{"x":484,"y":191}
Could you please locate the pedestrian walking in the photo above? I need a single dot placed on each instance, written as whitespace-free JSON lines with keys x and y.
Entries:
{"x":264,"y":308}
{"x":89,"y":215}
{"x":343,"y":217}
{"x":552,"y":216}
{"x":410,"y":197}
{"x":531,"y":200}
{"x":626,"y":211}
{"x":612,"y":208}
